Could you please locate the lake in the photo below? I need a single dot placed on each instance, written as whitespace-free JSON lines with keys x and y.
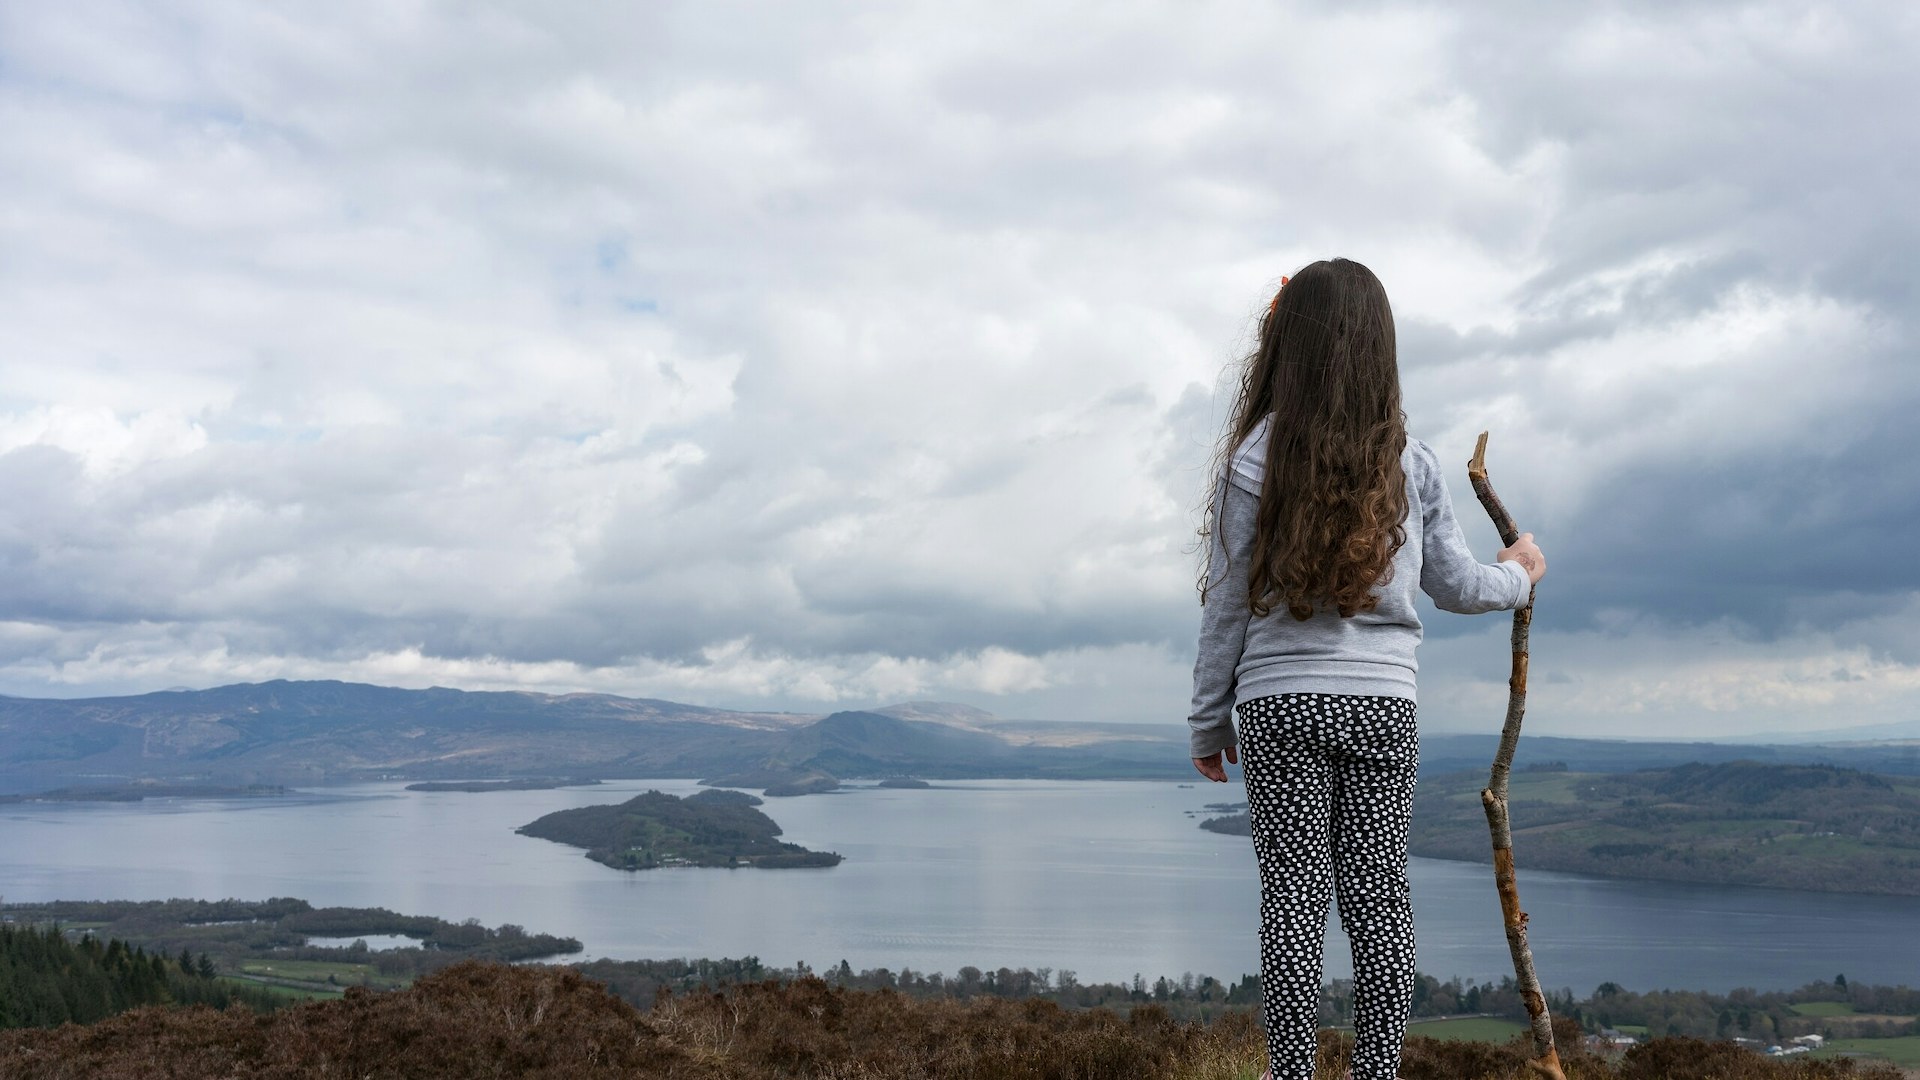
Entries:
{"x":1104,"y":878}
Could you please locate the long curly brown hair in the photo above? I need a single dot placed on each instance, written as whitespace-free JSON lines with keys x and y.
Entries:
{"x":1334,"y":504}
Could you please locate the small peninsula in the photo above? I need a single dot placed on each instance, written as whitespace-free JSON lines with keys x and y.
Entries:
{"x":529,"y":784}
{"x":654,"y":829}
{"x":146,"y":789}
{"x":1230,"y":824}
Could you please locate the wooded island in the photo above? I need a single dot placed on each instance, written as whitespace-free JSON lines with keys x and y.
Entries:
{"x":654,"y":829}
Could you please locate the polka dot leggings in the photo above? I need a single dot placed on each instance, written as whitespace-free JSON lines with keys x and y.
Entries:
{"x":1330,"y":793}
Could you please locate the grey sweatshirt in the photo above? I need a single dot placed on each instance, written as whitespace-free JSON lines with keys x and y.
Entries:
{"x":1243,"y":657}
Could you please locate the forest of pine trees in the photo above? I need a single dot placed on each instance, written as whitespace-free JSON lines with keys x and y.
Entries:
{"x":47,"y":980}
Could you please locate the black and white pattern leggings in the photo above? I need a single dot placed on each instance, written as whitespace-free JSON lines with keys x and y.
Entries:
{"x":1330,"y":794}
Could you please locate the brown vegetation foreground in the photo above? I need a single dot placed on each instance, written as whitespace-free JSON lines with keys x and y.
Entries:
{"x":479,"y":1020}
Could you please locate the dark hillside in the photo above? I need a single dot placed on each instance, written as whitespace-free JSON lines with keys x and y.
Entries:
{"x":869,"y":744}
{"x":872,"y":745}
{"x":1449,"y":753}
{"x":1751,"y":783}
{"x":1817,"y":827}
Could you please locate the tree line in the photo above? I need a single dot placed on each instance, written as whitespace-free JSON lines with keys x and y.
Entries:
{"x":232,"y":932}
{"x":1770,"y":1016}
{"x":1879,"y":1011}
{"x":46,"y":979}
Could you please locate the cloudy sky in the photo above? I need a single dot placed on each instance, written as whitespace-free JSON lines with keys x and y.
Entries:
{"x":820,"y":355}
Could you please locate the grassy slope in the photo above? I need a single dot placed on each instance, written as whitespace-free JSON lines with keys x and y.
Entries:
{"x":1901,"y":1051}
{"x":284,"y":993}
{"x":313,"y":974}
{"x":1490,"y":1029}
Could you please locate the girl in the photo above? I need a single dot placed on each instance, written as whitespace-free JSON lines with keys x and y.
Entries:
{"x":1324,"y":518}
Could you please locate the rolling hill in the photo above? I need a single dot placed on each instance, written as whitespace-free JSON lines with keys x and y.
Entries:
{"x":316,"y":732}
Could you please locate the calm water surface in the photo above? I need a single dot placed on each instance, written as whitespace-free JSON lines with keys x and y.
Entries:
{"x":1103,"y":878}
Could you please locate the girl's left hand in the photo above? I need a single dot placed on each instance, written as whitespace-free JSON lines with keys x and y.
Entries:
{"x":1210,"y":767}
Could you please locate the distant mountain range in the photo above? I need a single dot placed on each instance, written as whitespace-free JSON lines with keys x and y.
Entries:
{"x":316,"y":732}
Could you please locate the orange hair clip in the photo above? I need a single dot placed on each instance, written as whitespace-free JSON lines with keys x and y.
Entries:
{"x":1275,"y":302}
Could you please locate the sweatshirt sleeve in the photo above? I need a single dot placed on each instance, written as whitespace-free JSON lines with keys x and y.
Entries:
{"x":1223,"y":621}
{"x":1448,"y":571}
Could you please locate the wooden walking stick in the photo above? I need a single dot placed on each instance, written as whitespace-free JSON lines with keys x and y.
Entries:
{"x":1494,"y":798}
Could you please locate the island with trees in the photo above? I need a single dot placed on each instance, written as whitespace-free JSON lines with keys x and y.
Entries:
{"x":654,"y":829}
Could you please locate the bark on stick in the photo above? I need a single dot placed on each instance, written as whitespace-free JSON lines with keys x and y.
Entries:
{"x":1494,"y":798}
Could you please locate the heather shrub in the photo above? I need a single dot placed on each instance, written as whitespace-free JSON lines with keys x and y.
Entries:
{"x":1665,"y":1058}
{"x":487,"y":1020}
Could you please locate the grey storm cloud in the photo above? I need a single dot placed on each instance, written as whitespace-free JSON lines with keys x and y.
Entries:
{"x":851,"y":352}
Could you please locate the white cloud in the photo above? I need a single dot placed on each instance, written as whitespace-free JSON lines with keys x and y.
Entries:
{"x":839,"y":353}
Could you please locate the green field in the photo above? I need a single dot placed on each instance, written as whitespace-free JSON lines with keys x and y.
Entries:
{"x":1548,"y":787}
{"x":315,"y":974}
{"x":1823,"y":1008}
{"x":289,"y":993}
{"x":1468,"y":1029}
{"x":1904,"y":1050}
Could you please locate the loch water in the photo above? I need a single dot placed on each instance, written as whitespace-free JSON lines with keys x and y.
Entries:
{"x":1103,"y":878}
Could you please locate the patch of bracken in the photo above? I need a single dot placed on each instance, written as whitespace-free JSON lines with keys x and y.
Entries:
{"x":481,"y":1020}
{"x":488,"y":1020}
{"x":472,"y":1020}
{"x":1663,"y":1058}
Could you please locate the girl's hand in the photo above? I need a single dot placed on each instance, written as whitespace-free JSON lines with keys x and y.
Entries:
{"x":1527,"y":553}
{"x":1210,"y":767}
